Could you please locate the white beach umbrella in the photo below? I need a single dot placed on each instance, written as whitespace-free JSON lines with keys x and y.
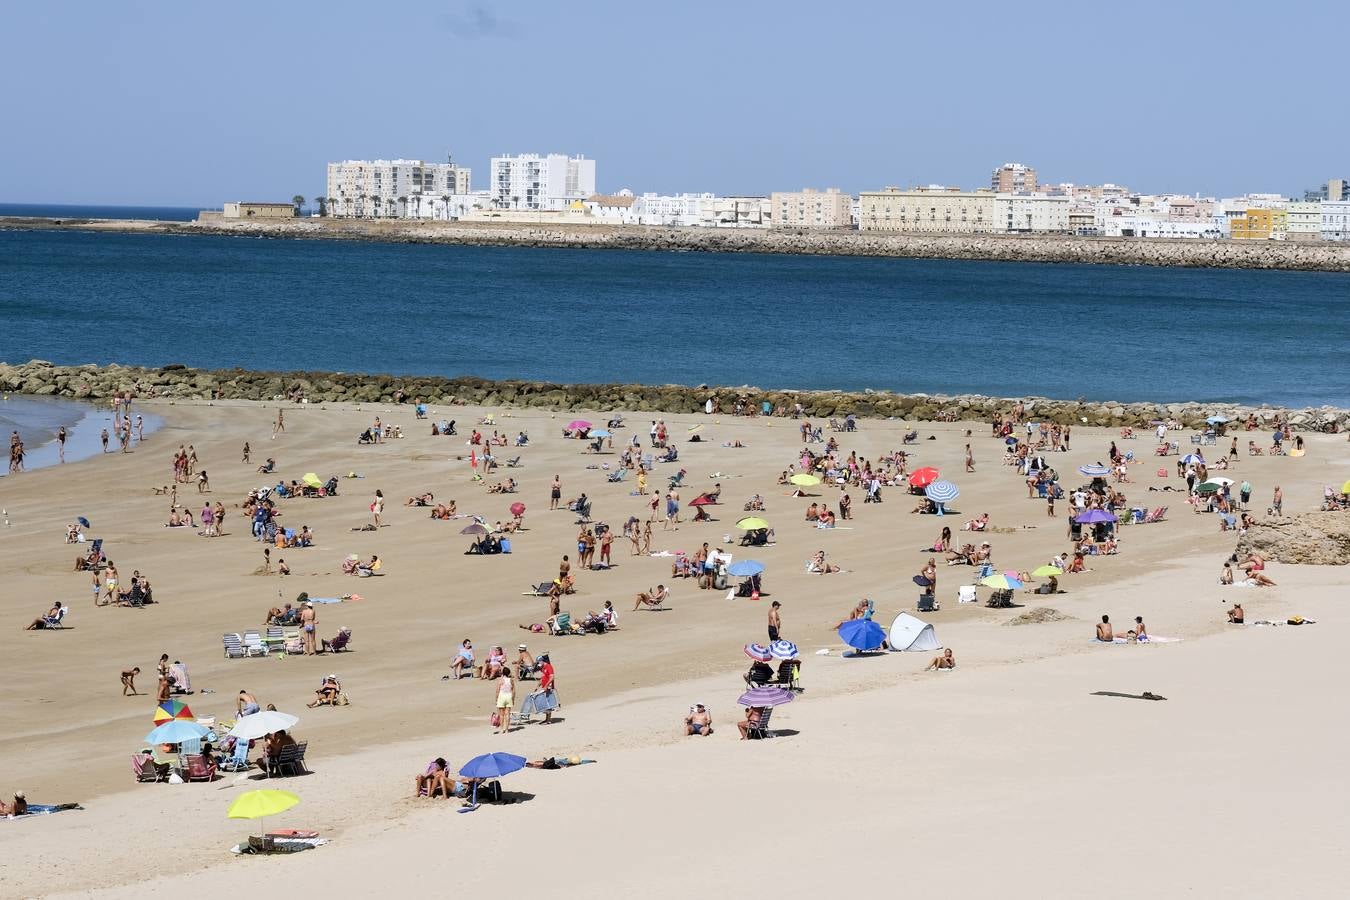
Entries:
{"x":1222,"y":482}
{"x":261,"y":724}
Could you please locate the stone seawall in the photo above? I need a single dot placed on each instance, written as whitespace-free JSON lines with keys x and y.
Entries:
{"x":1313,"y":256}
{"x":91,"y":382}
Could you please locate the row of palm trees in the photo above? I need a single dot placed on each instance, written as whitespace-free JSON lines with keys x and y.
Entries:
{"x":372,"y":205}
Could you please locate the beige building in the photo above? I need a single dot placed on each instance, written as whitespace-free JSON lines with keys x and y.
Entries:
{"x":928,"y":209}
{"x":243,"y":210}
{"x":1013,"y":178}
{"x":1303,"y":222}
{"x":811,"y":210}
{"x":392,"y":187}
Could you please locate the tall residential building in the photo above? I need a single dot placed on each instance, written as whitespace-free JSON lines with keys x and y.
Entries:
{"x":812,"y":210}
{"x":1336,"y":220}
{"x":1305,"y":221}
{"x":391,"y":187}
{"x":1019,"y":213}
{"x":1013,"y":178}
{"x":933,"y":209}
{"x":531,"y":181}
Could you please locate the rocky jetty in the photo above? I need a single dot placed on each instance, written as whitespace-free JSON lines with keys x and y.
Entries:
{"x":90,"y":382}
{"x":1314,"y":539}
{"x":1228,"y":254}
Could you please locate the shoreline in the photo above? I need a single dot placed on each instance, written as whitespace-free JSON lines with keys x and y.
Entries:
{"x":83,"y":439}
{"x":92,"y":382}
{"x":1321,"y":256}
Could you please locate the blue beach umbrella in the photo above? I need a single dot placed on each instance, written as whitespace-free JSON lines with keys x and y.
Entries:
{"x":489,"y":765}
{"x":746,"y":568}
{"x":1216,"y":420}
{"x":1191,"y":459}
{"x":942,"y":491}
{"x":176,"y":731}
{"x":600,"y":433}
{"x":1010,"y":441}
{"x":862,"y":634}
{"x":83,"y":521}
{"x":1095,"y":470}
{"x":781,"y":649}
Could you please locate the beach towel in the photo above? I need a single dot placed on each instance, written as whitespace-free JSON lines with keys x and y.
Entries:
{"x":325,"y":599}
{"x":283,"y":845}
{"x":42,"y":809}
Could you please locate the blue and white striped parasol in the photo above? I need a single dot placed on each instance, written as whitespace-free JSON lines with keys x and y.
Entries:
{"x":1191,"y":459}
{"x":758,"y":652}
{"x":942,"y":491}
{"x":1095,"y":470}
{"x":783,"y":650}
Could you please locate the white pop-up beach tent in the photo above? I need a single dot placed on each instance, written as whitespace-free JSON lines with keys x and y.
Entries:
{"x":909,"y":633}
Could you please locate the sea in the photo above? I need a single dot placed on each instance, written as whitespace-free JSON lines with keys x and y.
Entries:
{"x":37,"y":420}
{"x":565,"y":315}
{"x":76,"y":211}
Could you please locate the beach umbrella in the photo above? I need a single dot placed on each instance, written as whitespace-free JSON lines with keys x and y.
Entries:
{"x":260,"y":804}
{"x":474,"y":528}
{"x":752,"y":523}
{"x":701,"y":501}
{"x":83,"y":521}
{"x":1095,"y":470}
{"x":765,"y":696}
{"x":1010,"y":441}
{"x":783,"y":650}
{"x":517,"y":508}
{"x":921,"y":581}
{"x":600,"y":433}
{"x":172,"y":709}
{"x":175,"y":731}
{"x":923,"y":477}
{"x":757,"y":652}
{"x":802,"y":479}
{"x":746,"y":568}
{"x":1277,"y":436}
{"x":1207,"y":487}
{"x":1048,"y":572}
{"x":312,"y":480}
{"x":489,"y":765}
{"x":1220,"y":481}
{"x":1216,"y":420}
{"x":1345,"y":488}
{"x":1001,"y":582}
{"x":1192,"y":459}
{"x":578,"y":425}
{"x":261,"y":724}
{"x":862,"y":634}
{"x":1093,"y":516}
{"x":942,"y":491}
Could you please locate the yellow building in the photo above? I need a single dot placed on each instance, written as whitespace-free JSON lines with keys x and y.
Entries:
{"x":1261,"y":224}
{"x":931,"y":209}
{"x":244,"y":210}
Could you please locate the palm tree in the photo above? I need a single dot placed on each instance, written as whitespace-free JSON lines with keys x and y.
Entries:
{"x":299,"y":202}
{"x":362,"y":211}
{"x":403,"y":205}
{"x":445,"y":198}
{"x":323,"y":205}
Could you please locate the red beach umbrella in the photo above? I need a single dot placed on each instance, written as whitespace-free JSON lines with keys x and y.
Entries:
{"x":923,"y":477}
{"x":517,"y":508}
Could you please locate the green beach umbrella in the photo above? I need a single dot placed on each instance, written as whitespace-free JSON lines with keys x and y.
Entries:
{"x":1048,"y":572}
{"x":1207,"y":487}
{"x":802,"y":479}
{"x":752,"y":523}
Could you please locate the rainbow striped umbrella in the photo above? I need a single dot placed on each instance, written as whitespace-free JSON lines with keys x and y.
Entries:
{"x":172,"y":709}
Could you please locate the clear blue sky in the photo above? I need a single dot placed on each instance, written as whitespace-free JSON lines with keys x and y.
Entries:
{"x":190,"y":103}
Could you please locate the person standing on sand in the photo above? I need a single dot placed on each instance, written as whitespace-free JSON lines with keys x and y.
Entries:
{"x":61,"y":444}
{"x":1277,"y":502}
{"x":606,"y":544}
{"x":563,"y":568}
{"x":129,"y":681}
{"x":309,"y":620}
{"x":647,"y":537}
{"x":506,"y":700}
{"x":247,"y":451}
{"x":140,"y":428}
{"x":1050,"y":501}
{"x":970,"y":459}
{"x":110,"y":582}
{"x":104,"y":436}
{"x":279,"y":425}
{"x":377,"y":507}
{"x":220,"y":517}
{"x":165,"y":688}
{"x":555,"y":493}
{"x":653,"y":432}
{"x":775,"y":621}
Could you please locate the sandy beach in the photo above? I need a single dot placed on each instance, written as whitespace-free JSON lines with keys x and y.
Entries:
{"x":1016,"y":760}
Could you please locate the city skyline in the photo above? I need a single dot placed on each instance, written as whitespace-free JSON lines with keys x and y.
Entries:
{"x":147,"y":103}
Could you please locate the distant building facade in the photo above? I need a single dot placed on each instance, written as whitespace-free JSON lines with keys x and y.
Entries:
{"x":1259,"y":224}
{"x":245,"y":210}
{"x":933,"y":209}
{"x":392,"y":187}
{"x":1304,"y":221}
{"x":1031,"y":213}
{"x":533,"y":182}
{"x":812,"y":210}
{"x":1336,"y":220}
{"x":1013,"y":178}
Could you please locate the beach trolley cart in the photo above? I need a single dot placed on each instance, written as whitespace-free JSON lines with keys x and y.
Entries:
{"x":182,"y":683}
{"x":536,"y":702}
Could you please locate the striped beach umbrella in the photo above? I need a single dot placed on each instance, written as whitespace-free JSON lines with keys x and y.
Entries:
{"x":942,"y":491}
{"x":783,"y":650}
{"x":172,"y":709}
{"x":1095,"y":470}
{"x":1191,"y":459}
{"x":766,"y":696}
{"x":758,"y":652}
{"x":1001,"y":582}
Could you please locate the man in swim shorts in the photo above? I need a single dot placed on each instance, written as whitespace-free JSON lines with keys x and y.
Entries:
{"x":699,"y":721}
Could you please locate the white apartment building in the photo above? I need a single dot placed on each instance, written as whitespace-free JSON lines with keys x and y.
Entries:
{"x":736,"y":212}
{"x":533,"y":182}
{"x":1304,"y":221}
{"x":1031,"y":213}
{"x":670,"y":210}
{"x":1335,"y":220}
{"x":931,"y":209}
{"x":812,"y":210}
{"x":391,"y":187}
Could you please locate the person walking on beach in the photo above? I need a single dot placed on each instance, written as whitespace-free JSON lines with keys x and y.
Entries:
{"x":129,"y":681}
{"x":775,"y":621}
{"x":1277,"y":502}
{"x":279,"y":425}
{"x":247,"y":451}
{"x":653,"y":432}
{"x":61,"y":444}
{"x":1245,"y":492}
{"x":970,"y":459}
{"x":555,"y":492}
{"x":647,"y":537}
{"x":140,"y":428}
{"x":672,"y":510}
{"x":105,"y":440}
{"x":377,"y":508}
{"x":506,"y":700}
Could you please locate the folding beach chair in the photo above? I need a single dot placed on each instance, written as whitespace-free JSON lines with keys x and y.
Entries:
{"x":761,"y":730}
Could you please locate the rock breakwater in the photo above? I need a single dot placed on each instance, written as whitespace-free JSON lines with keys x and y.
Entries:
{"x":91,"y":382}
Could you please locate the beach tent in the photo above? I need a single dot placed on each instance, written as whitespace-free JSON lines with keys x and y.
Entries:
{"x":909,"y":633}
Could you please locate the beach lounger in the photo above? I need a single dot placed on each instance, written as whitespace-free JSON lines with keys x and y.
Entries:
{"x":1156,"y":516}
{"x":562,"y":624}
{"x":146,"y":769}
{"x":234,"y":646}
{"x":274,"y":639}
{"x":253,"y":644}
{"x":196,"y":768}
{"x":294,"y":643}
{"x":761,"y":730}
{"x":618,"y":475}
{"x":789,"y":675}
{"x":513,"y":463}
{"x":538,"y":590}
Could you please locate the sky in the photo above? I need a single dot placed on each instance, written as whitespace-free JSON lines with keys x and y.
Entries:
{"x":160,"y":102}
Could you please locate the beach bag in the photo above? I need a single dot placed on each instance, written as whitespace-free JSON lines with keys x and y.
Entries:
{"x":496,"y":719}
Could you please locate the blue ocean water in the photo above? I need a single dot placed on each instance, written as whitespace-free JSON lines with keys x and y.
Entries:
{"x":75,"y":211}
{"x":1007,"y":329}
{"x":37,"y":420}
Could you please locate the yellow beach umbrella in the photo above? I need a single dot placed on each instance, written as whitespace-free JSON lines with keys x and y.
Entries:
{"x":752,"y":523}
{"x":1345,"y":488}
{"x":802,"y":479}
{"x":260,"y":804}
{"x":312,"y":480}
{"x":1048,"y":572}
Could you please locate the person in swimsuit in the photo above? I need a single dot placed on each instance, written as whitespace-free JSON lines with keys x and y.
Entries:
{"x":775,"y":620}
{"x":944,"y":661}
{"x":463,"y":661}
{"x":699,"y":721}
{"x":506,"y":699}
{"x":1104,"y":631}
{"x":555,"y":493}
{"x":1235,"y":615}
